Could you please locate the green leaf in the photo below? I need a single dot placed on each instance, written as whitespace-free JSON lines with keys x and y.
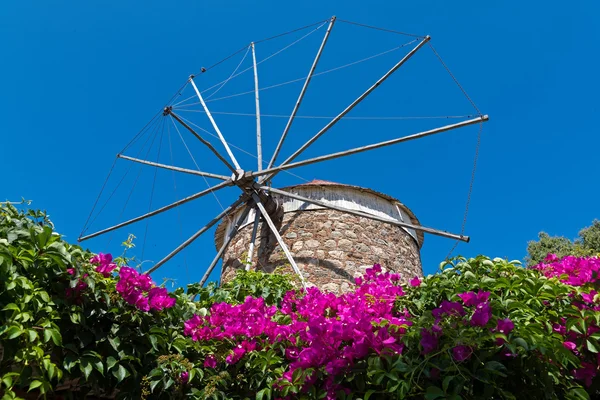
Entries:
{"x":86,"y":367}
{"x":32,"y":335}
{"x":578,"y":393}
{"x":592,"y":345}
{"x":110,"y":363}
{"x":521,"y":342}
{"x":434,"y":392}
{"x":368,"y":394}
{"x":121,"y":373}
{"x":34,"y":384}
{"x":264,"y":393}
{"x":55,"y":335}
{"x":446,"y":382}
{"x":153,"y":385}
{"x":11,"y":306}
{"x":13,"y":332}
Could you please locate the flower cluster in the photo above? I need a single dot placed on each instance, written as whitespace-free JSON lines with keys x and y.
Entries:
{"x":79,"y":286}
{"x":140,"y":291}
{"x":319,"y":330}
{"x":104,"y":264}
{"x":575,"y":271}
{"x":581,"y":340}
{"x":453,"y":313}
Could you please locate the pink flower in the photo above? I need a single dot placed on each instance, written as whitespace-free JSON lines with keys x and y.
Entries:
{"x":505,"y":326}
{"x":184,"y":377}
{"x":461,"y":353}
{"x":586,"y":373}
{"x":429,"y":341}
{"x":589,"y":297}
{"x":210,"y":361}
{"x":415,"y":282}
{"x":551,"y":258}
{"x":71,"y":271}
{"x":101,"y":258}
{"x":471,"y":299}
{"x":450,"y":308}
{"x":482,"y":315}
{"x":570,"y":346}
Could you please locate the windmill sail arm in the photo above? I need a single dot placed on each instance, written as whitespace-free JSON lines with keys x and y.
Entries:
{"x":204,"y":141}
{"x":351,"y":106}
{"x":159,"y":210}
{"x":419,"y":135}
{"x":173,"y":168}
{"x":302,"y":92}
{"x":225,"y":244}
{"x":368,"y":215}
{"x":196,"y":235}
{"x":275,"y":232}
{"x":214,"y":124}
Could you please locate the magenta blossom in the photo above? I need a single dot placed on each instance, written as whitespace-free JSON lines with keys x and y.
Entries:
{"x":429,"y":341}
{"x":184,"y":377}
{"x":505,"y":326}
{"x":471,"y":299}
{"x":415,"y":282}
{"x":461,"y":353}
{"x":570,"y":346}
{"x":482,"y":314}
{"x":449,"y":308}
{"x":586,"y":373}
{"x":210,"y":361}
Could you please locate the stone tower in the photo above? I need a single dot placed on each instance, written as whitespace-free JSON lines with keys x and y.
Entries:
{"x":330,"y":247}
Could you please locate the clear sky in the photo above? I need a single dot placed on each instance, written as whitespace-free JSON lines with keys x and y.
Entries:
{"x":79,"y":79}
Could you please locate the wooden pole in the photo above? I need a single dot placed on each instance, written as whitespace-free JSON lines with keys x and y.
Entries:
{"x":297,"y":164}
{"x":257,"y":101}
{"x":284,"y":247}
{"x":214,"y":124}
{"x":302,"y":92}
{"x":206,"y":143}
{"x":367,"y":215}
{"x":158,"y":211}
{"x":226,"y":242}
{"x":252,"y":240}
{"x":197,"y":234}
{"x":172,"y":168}
{"x":350,"y":107}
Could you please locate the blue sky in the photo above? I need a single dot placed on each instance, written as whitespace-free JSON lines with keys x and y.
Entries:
{"x":79,"y":79}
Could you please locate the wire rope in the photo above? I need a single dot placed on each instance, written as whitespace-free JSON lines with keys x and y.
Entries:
{"x":195,"y":163}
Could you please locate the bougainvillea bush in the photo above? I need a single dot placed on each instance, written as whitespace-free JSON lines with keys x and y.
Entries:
{"x":77,"y":324}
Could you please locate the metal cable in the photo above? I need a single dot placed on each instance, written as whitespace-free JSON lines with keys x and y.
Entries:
{"x":258,"y":41}
{"x":231,"y":75}
{"x":238,"y":148}
{"x":162,"y":132}
{"x":195,"y":163}
{"x":116,"y":187}
{"x":380,"y":29}
{"x":454,"y":78}
{"x":292,"y":31}
{"x":304,"y":78}
{"x":134,"y":185}
{"x":464,"y":222}
{"x":187,"y":272}
{"x":267,"y":58}
{"x":328,"y":117}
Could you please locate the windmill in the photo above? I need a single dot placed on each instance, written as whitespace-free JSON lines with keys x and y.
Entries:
{"x":258,"y":197}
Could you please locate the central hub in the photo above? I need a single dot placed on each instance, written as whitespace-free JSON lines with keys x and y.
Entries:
{"x":243,"y":179}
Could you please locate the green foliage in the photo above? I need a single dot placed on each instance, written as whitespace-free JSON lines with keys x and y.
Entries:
{"x":63,"y":327}
{"x":586,"y":244}
{"x":54,"y":331}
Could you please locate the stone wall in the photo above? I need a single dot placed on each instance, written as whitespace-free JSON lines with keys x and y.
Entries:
{"x":330,"y":248}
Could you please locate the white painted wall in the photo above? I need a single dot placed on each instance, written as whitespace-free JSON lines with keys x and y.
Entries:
{"x":349,"y":198}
